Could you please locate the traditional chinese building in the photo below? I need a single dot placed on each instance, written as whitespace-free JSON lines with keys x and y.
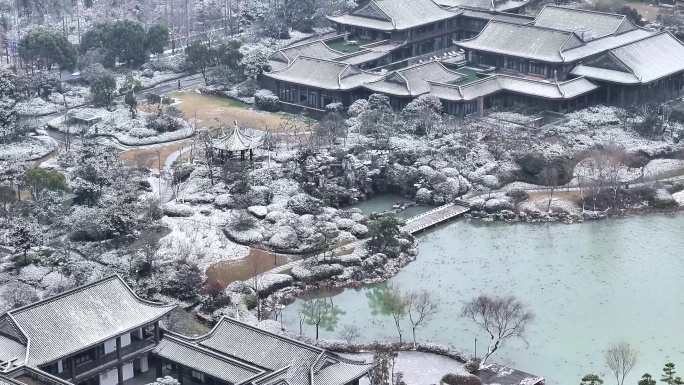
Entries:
{"x":481,"y":55}
{"x":104,"y":334}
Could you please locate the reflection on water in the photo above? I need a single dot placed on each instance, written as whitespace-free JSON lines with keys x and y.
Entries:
{"x":589,"y":285}
{"x":385,"y":202}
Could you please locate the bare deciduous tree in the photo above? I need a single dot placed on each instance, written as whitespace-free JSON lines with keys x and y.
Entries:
{"x":349,"y":333}
{"x":395,"y":304}
{"x":501,"y":317}
{"x":421,"y":309}
{"x":620,"y":359}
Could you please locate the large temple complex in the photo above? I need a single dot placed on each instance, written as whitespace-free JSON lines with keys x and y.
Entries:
{"x":478,"y":54}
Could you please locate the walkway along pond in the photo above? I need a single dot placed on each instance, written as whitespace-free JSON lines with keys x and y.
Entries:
{"x":589,"y":284}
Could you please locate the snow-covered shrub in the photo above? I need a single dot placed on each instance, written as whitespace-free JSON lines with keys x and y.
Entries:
{"x":358,"y":107}
{"x":316,"y":273}
{"x":423,"y":195}
{"x":495,"y":204}
{"x":304,"y":204}
{"x":344,"y":223}
{"x":517,"y":194}
{"x":259,"y":196}
{"x":284,"y":237}
{"x":247,"y":88}
{"x":460,"y":379}
{"x":172,"y":209}
{"x":267,"y":101}
{"x":164,"y":123}
{"x":269,"y":283}
{"x":359,"y":230}
{"x":258,"y":211}
{"x":224,"y":201}
{"x":334,"y":107}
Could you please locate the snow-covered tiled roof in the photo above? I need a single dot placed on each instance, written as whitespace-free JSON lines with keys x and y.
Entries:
{"x":216,"y":365}
{"x":642,"y":61}
{"x":523,"y":41}
{"x":320,"y":73}
{"x":370,"y":52}
{"x":591,"y":24}
{"x":492,"y":84}
{"x":334,"y":370}
{"x":77,"y":319}
{"x":390,"y":15}
{"x":413,"y":81}
{"x":256,"y":346}
{"x":498,"y":16}
{"x":596,"y":46}
{"x":500,"y":6}
{"x":236,"y":140}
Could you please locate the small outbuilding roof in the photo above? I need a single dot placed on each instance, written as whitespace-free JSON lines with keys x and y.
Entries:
{"x":589,"y":24}
{"x":388,"y":15}
{"x":493,"y":15}
{"x":489,"y":5}
{"x":62,"y":325}
{"x":315,"y":49}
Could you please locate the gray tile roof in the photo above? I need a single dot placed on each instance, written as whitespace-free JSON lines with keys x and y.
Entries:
{"x":501,"y":6}
{"x":598,"y":24}
{"x":390,"y":15}
{"x":596,"y":46}
{"x":205,"y":361}
{"x":315,"y":49}
{"x":236,"y":140}
{"x":335,"y":370}
{"x":498,"y":16}
{"x":256,"y":346}
{"x":83,"y":317}
{"x":8,"y":381}
{"x":325,"y":74}
{"x":413,"y":81}
{"x":523,"y":41}
{"x":492,"y":84}
{"x":11,"y":350}
{"x":648,"y":59}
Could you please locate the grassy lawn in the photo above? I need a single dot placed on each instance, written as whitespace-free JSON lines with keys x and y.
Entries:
{"x":572,"y":196}
{"x":210,"y":110}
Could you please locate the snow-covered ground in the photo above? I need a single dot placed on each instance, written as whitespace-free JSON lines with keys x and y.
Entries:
{"x":28,"y":148}
{"x":122,"y":127}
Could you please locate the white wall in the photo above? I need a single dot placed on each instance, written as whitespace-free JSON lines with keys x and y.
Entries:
{"x":144,"y":366}
{"x":125,"y":339}
{"x":110,"y":346}
{"x":109,"y":378}
{"x":128,"y":371}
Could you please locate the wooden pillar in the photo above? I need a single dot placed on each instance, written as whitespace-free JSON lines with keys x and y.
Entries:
{"x":72,"y":364}
{"x":180,"y":373}
{"x":251,"y":154}
{"x":119,"y":370}
{"x":608,"y":94}
{"x":156,"y":332}
{"x":480,"y":107}
{"x":159,"y":365}
{"x":118,"y":347}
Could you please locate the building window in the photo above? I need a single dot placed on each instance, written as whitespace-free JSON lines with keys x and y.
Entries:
{"x":537,"y":68}
{"x":82,"y":358}
{"x":100,"y":350}
{"x":197,"y":376}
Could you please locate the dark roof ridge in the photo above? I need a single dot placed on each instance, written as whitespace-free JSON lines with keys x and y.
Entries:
{"x":84,"y":287}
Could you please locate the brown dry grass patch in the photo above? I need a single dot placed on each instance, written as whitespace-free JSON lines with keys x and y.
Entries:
{"x":211,"y":110}
{"x":150,"y":157}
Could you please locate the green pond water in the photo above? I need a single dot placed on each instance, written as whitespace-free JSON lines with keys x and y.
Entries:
{"x":589,"y":285}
